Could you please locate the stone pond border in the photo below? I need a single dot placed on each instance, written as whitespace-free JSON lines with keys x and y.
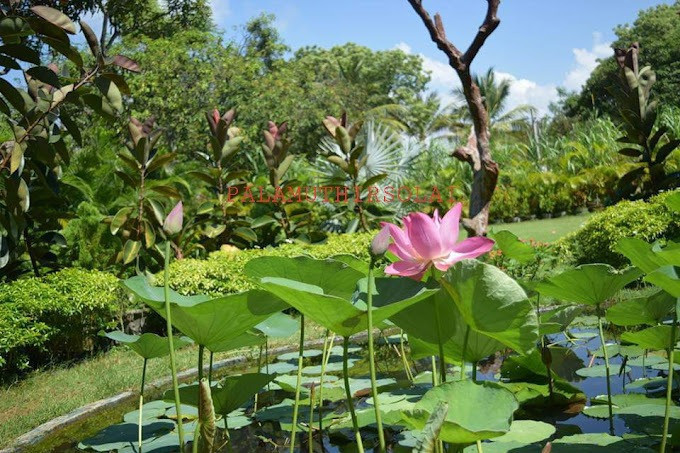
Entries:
{"x":41,"y":432}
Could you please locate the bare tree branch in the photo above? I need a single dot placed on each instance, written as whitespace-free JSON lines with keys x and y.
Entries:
{"x":477,"y":152}
{"x":491,"y":22}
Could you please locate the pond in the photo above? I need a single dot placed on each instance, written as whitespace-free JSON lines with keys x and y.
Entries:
{"x":264,"y":424}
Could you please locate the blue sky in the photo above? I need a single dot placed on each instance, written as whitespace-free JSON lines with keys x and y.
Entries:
{"x":540,"y":44}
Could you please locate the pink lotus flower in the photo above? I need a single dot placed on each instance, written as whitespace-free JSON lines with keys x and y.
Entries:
{"x":426,"y":241}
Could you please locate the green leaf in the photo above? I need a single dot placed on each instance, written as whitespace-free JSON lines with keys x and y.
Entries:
{"x":476,"y":411}
{"x":147,"y":345}
{"x":590,"y":284}
{"x":209,"y":322}
{"x":492,"y":303}
{"x":21,"y":52}
{"x":111,"y":92}
{"x":665,"y":150}
{"x":324,"y":291}
{"x":45,"y":75}
{"x":160,"y":161}
{"x":232,"y":392}
{"x":648,"y":310}
{"x":17,"y":158}
{"x":673,"y":202}
{"x":666,"y":278}
{"x":55,"y":17}
{"x":630,"y":152}
{"x":245,"y":340}
{"x":513,"y":248}
{"x":119,"y":219}
{"x":419,"y":322}
{"x":131,"y":250}
{"x":642,"y":254}
{"x":245,"y":233}
{"x":657,"y":337}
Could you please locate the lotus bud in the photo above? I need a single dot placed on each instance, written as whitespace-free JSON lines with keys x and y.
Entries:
{"x":216,"y":116}
{"x":173,"y":222}
{"x":380,"y":242}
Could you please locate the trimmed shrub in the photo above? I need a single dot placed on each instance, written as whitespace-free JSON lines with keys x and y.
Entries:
{"x":595,"y":241}
{"x":222,"y":271}
{"x":57,"y":316}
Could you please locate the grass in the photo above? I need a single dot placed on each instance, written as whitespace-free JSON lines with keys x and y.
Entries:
{"x":49,"y":393}
{"x":548,"y":230}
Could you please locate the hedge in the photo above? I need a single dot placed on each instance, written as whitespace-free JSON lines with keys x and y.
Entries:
{"x":222,"y":271}
{"x":56,"y":317}
{"x":594,"y":242}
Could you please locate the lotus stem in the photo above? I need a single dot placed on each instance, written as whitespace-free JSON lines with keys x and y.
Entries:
{"x":442,"y":360}
{"x":141,"y":404}
{"x":259,"y":367}
{"x":299,"y":383}
{"x":371,"y":357}
{"x":404,"y":361}
{"x":348,"y":394}
{"x":173,"y":366}
{"x":210,"y":370}
{"x":474,"y":372}
{"x":434,"y":371}
{"x":479,"y":447}
{"x":321,"y":379}
{"x":463,"y":374}
{"x":606,"y":366}
{"x":669,"y":385}
{"x":197,"y":435}
{"x":200,"y":362}
{"x":310,"y":434}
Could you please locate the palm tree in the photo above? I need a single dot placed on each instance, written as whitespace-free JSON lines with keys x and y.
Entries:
{"x":495,"y":97}
{"x":426,"y":118}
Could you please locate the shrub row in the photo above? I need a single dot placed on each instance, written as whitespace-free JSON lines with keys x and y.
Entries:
{"x":537,"y":194}
{"x":56,"y":317}
{"x":222,"y":271}
{"x":596,"y":240}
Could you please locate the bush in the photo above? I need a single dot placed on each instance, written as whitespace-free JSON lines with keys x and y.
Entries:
{"x":56,"y":317}
{"x":222,"y":271}
{"x":595,"y":241}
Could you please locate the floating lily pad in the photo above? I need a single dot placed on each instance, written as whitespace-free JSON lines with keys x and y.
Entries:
{"x":154,"y":409}
{"x":599,"y":405}
{"x":650,"y":360}
{"x":294,"y":355}
{"x":526,"y":431}
{"x":121,"y":435}
{"x":599,"y":370}
{"x":279,"y":368}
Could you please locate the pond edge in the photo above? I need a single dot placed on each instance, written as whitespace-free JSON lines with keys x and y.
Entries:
{"x":41,"y":432}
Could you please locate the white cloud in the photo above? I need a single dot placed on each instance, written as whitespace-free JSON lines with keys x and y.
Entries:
{"x":522,"y":91}
{"x":220,"y":10}
{"x":585,"y":61}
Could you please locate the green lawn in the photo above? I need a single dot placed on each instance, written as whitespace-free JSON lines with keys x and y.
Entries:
{"x":24,"y":405}
{"x":547,"y":230}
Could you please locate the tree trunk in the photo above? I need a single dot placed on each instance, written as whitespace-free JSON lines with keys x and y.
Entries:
{"x":476,"y":152}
